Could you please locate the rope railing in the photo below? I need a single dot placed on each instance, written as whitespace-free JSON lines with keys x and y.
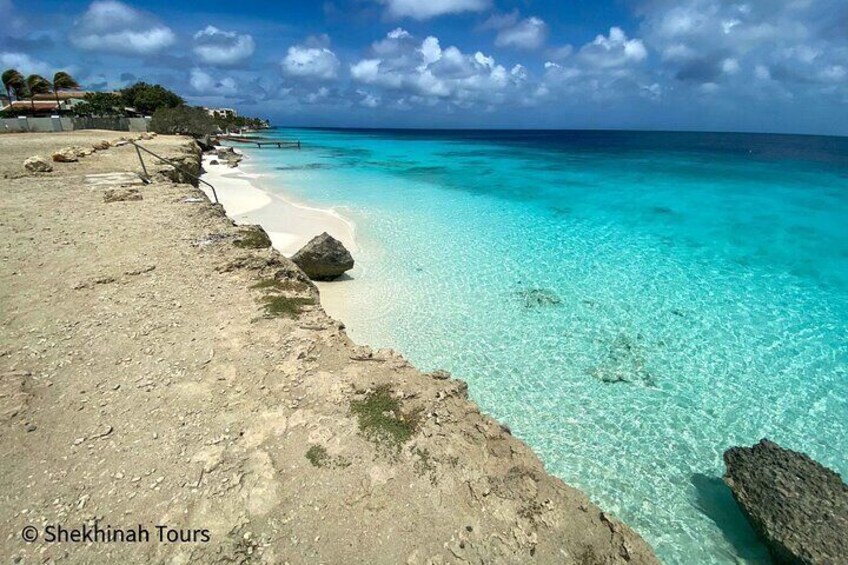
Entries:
{"x":139,"y":149}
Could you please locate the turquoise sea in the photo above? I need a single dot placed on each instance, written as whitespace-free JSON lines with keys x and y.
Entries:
{"x":631,"y":304}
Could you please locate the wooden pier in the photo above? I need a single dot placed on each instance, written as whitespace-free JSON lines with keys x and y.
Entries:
{"x":262,"y":141}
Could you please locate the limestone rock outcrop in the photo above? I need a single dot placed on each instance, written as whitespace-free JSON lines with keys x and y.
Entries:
{"x":798,"y":507}
{"x":37,"y":164}
{"x":229,"y":156}
{"x":65,"y":155}
{"x":324,"y":258}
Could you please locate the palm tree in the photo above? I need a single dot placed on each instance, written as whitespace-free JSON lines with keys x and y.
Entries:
{"x":13,"y":82}
{"x":63,"y":81}
{"x":36,"y":84}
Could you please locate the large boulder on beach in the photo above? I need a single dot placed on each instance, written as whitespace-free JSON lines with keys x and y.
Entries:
{"x":798,"y":507}
{"x":324,"y":258}
{"x":65,"y":155}
{"x":79,"y":151}
{"x":207,"y":143}
{"x":37,"y":164}
{"x":229,"y":156}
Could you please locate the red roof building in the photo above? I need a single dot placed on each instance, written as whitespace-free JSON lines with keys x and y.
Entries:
{"x":36,"y":107}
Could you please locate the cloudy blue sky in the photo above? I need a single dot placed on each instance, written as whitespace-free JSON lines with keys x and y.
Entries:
{"x":745,"y":65}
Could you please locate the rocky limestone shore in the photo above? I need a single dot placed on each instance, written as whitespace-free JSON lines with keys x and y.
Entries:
{"x":162,"y":366}
{"x":798,"y":507}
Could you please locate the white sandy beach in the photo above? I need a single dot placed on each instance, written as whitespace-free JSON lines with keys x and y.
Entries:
{"x":290,"y":225}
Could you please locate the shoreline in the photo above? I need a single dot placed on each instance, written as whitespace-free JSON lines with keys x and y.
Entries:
{"x":246,"y":199}
{"x":165,"y":381}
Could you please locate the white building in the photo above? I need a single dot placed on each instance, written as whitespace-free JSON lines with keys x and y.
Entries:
{"x":221,"y":112}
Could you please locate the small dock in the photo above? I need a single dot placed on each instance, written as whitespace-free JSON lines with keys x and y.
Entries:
{"x":262,"y":141}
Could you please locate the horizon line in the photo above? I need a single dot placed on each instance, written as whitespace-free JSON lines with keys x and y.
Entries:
{"x":599,"y":129}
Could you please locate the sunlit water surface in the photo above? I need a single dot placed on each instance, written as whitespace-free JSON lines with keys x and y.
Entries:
{"x":630,"y":304}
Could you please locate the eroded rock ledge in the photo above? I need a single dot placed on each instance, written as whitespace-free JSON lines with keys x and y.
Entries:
{"x":798,"y":507}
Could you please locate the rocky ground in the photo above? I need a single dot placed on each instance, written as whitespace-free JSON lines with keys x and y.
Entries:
{"x":160,"y":366}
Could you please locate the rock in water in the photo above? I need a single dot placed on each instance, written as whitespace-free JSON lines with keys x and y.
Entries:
{"x":37,"y":164}
{"x":538,"y":297}
{"x":797,"y":506}
{"x":627,"y":362}
{"x":324,"y":258}
{"x":229,"y":156}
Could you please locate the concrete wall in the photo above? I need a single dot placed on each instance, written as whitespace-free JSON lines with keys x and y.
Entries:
{"x":116,"y":124}
{"x":14,"y":125}
{"x":139,"y":124}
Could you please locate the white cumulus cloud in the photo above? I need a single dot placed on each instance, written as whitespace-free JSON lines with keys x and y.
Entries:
{"x":426,"y":9}
{"x":527,"y":33}
{"x":25,"y":64}
{"x":793,"y":45}
{"x":613,"y":50}
{"x":730,"y":66}
{"x":611,"y":66}
{"x":311,"y":60}
{"x":368,"y":100}
{"x":112,"y":26}
{"x":217,"y":47}
{"x":206,"y":84}
{"x":421,"y":72}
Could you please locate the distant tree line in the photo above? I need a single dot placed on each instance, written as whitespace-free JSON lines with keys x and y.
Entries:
{"x":235,"y":123}
{"x":169,"y":112}
{"x":140,"y":98}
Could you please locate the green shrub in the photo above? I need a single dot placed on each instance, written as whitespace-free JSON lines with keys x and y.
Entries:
{"x":230,"y":123}
{"x":148,"y":98}
{"x":317,"y":455}
{"x":252,"y":237}
{"x":100,"y":104}
{"x":182,"y":120}
{"x":277,"y":306}
{"x":382,"y":419}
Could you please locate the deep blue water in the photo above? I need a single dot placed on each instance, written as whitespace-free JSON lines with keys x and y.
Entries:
{"x":631,"y":304}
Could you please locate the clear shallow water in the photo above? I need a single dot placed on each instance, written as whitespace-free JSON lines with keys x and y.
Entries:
{"x":630,"y":304}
